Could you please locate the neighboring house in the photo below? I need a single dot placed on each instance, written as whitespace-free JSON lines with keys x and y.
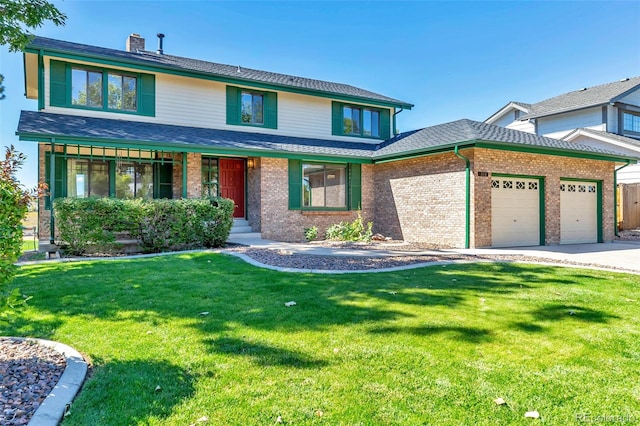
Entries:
{"x":605,"y":116}
{"x":294,"y":152}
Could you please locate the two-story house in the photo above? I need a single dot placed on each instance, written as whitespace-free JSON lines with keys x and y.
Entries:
{"x":294,"y":152}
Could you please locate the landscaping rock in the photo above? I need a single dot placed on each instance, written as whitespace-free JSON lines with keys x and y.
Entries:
{"x":28,"y":373}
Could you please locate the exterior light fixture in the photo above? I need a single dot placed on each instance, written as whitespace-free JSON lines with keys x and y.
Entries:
{"x":251,"y":163}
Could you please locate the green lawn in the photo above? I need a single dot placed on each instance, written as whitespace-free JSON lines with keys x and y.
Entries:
{"x":28,"y":244}
{"x":427,"y":346}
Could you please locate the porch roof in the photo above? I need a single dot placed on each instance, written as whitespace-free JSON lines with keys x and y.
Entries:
{"x":62,"y":128}
{"x":72,"y":129}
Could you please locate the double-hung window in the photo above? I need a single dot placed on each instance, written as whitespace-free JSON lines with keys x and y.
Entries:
{"x":360,"y":121}
{"x":247,"y":107}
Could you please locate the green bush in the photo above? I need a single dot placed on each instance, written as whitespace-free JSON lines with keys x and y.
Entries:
{"x":157,"y":225}
{"x":185,"y":224}
{"x":14,"y":204}
{"x":350,"y":231}
{"x":94,"y":222}
{"x":311,"y":233}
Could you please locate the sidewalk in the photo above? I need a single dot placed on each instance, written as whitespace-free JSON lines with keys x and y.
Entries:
{"x":619,"y":254}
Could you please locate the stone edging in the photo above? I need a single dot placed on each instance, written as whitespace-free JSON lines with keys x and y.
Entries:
{"x":57,"y":403}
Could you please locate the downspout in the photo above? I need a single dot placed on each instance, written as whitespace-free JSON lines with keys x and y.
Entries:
{"x":52,"y":189}
{"x":467,"y":201}
{"x":394,"y":120}
{"x":615,"y":199}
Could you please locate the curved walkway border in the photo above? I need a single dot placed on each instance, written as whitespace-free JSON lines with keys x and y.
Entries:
{"x":57,"y":403}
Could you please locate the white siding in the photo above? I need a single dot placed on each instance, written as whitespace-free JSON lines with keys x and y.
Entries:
{"x":505,"y":119}
{"x":595,"y":143}
{"x":630,"y":174}
{"x":632,"y":98}
{"x":186,"y":101}
{"x":612,"y":119}
{"x":559,"y":125}
{"x":523,"y":126}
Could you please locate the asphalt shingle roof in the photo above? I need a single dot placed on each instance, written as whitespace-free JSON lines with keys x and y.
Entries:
{"x":215,"y":69}
{"x":73,"y":126}
{"x":465,"y":132}
{"x":583,"y":98}
{"x":461,"y":131}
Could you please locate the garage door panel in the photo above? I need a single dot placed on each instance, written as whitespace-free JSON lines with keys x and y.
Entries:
{"x":515,"y":212}
{"x":578,"y":212}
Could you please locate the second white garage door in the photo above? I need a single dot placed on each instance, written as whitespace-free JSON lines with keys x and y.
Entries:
{"x":515,"y":212}
{"x":578,"y":212}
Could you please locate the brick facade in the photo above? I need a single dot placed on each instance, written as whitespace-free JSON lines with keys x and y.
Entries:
{"x":552,"y":168}
{"x":254,"y":199}
{"x":280,"y":223}
{"x":420,"y":199}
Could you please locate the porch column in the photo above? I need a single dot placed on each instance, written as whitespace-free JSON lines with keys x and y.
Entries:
{"x":52,"y":190}
{"x":184,"y":175}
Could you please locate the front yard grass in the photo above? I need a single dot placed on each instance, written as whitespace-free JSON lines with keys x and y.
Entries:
{"x":177,"y":339}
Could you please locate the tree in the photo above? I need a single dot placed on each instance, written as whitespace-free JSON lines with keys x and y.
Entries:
{"x":14,"y":204}
{"x":17,"y":17}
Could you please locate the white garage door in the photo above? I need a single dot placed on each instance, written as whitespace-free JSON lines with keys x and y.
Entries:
{"x":515,"y":212}
{"x":578,"y":212}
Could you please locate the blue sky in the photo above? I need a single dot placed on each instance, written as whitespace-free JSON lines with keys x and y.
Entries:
{"x":451,"y":59}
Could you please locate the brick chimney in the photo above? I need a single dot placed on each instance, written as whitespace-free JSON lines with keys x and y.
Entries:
{"x":135,"y":43}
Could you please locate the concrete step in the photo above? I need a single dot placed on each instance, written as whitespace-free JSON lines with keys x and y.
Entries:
{"x":241,"y":229}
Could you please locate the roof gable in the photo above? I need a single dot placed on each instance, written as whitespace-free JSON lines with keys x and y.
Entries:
{"x":164,"y":62}
{"x":508,"y":108}
{"x":584,"y":98}
{"x":603,"y":136}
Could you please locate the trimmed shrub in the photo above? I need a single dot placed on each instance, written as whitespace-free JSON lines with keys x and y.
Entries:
{"x":157,"y":225}
{"x":350,"y":231}
{"x":185,"y":224}
{"x":94,"y":222}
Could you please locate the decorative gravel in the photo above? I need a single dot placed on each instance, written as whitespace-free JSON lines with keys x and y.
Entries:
{"x":28,"y":373}
{"x":285,"y":259}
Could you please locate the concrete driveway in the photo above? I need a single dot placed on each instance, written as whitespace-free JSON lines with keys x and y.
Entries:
{"x":618,"y":254}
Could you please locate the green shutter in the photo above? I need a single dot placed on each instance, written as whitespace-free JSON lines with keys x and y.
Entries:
{"x":59,"y":84}
{"x":271,"y":110}
{"x":337,"y":123}
{"x":59,"y":187}
{"x":233,"y":105}
{"x":355,"y":187}
{"x":147,"y":95}
{"x":163,"y":181}
{"x":295,"y":184}
{"x":385,"y":124}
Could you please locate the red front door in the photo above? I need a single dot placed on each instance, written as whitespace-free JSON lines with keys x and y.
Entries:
{"x":231,"y":173}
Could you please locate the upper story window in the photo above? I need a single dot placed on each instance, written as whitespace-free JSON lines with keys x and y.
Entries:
{"x":354,"y":120}
{"x":631,"y":122}
{"x":86,"y":88}
{"x":122,"y":92}
{"x":76,"y":86}
{"x":252,"y":108}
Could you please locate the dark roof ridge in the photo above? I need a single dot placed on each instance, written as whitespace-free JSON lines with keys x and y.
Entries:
{"x":221,"y":70}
